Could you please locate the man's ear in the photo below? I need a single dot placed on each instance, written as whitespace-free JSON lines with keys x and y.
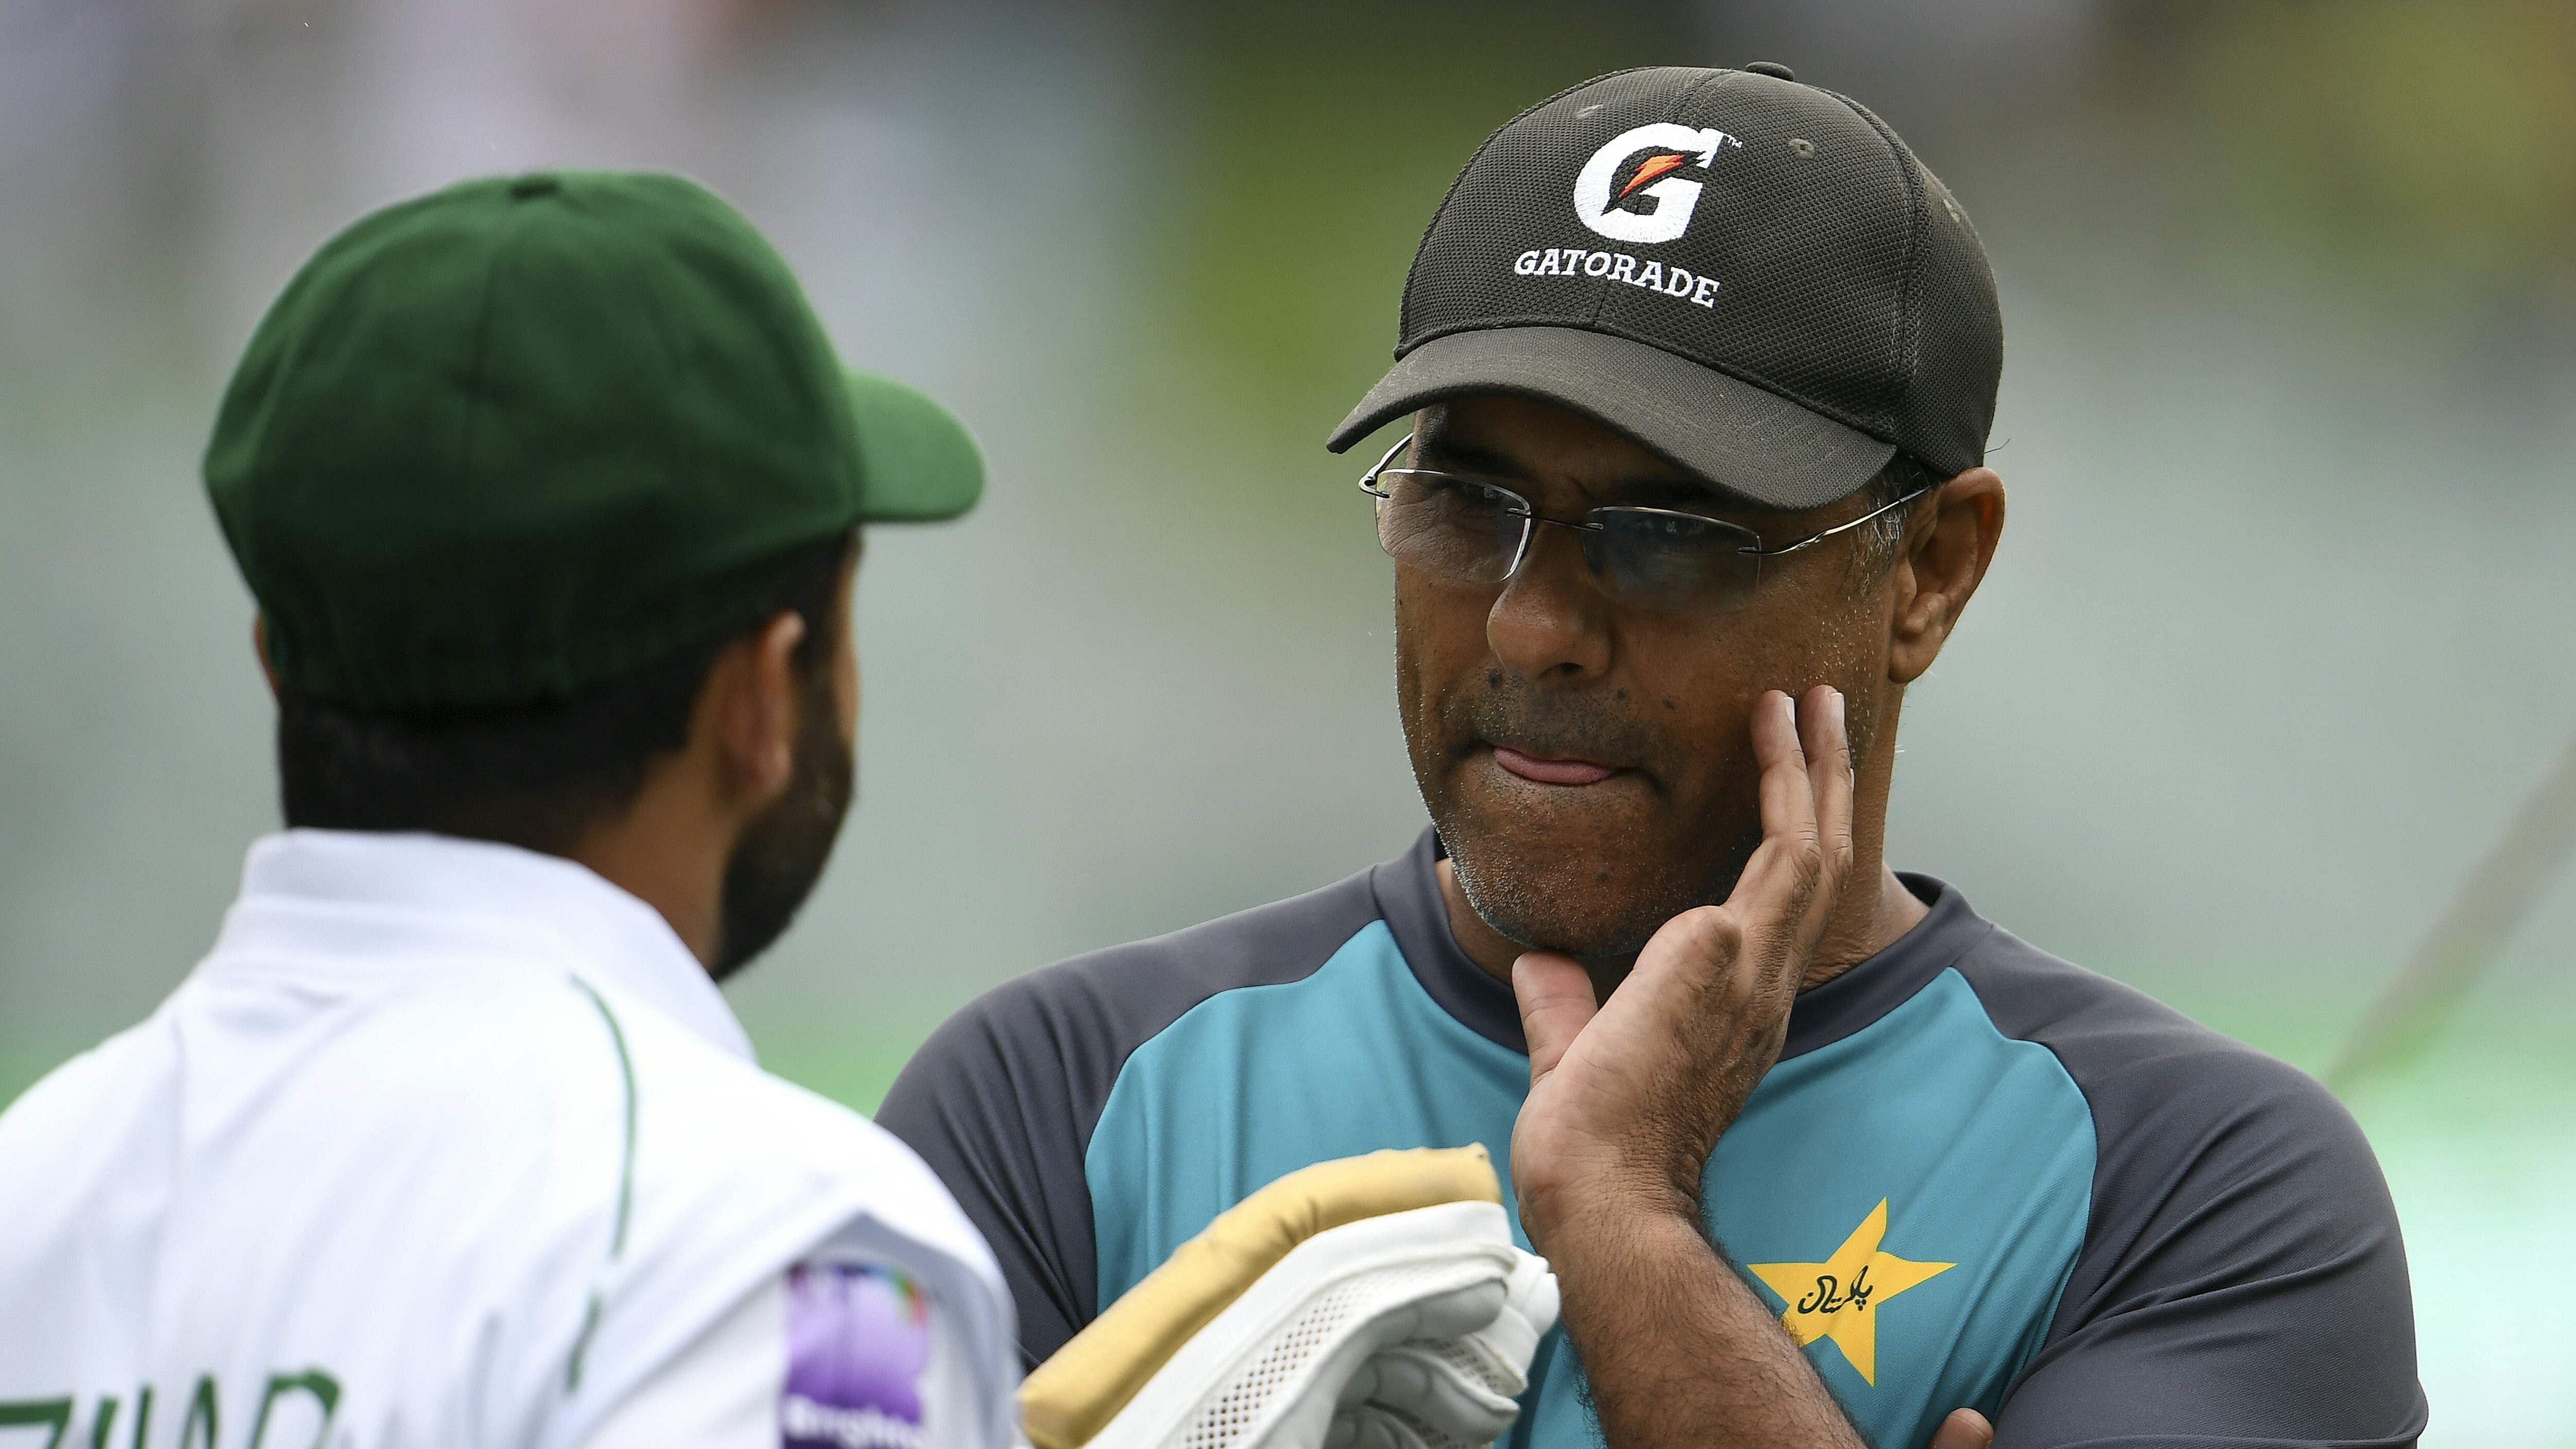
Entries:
{"x":259,"y":646}
{"x":1948,"y":544}
{"x":746,"y":714}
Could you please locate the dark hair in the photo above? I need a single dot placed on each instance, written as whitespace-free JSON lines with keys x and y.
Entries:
{"x":529,"y":775}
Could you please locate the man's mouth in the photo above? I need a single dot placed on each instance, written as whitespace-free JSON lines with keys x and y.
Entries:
{"x":1551,"y":772}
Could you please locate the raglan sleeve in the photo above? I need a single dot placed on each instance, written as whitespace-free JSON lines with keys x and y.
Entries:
{"x":745,"y":1262}
{"x":2242,"y":1281}
{"x":858,"y":1343}
{"x":1000,"y":1102}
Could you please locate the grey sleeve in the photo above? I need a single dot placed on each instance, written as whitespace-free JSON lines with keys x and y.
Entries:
{"x":1003,"y":1098}
{"x":2242,"y":1280}
{"x":1000,"y":1102}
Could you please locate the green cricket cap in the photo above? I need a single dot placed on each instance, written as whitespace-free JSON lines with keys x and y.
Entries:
{"x":527,"y":434}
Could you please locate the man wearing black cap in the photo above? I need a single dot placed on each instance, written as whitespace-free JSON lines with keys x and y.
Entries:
{"x":1701,"y":365}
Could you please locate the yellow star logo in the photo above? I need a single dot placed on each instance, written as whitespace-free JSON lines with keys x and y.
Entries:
{"x":1837,"y":1298}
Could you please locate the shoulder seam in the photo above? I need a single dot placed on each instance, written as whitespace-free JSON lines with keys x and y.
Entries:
{"x":2093,"y":1179}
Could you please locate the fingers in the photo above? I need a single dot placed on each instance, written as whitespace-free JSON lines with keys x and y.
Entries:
{"x":1555,"y":995}
{"x":1458,"y":1313}
{"x":1788,"y":795}
{"x":1806,"y":798}
{"x":1964,"y":1429}
{"x":1436,"y":1378}
{"x":1509,"y":1343}
{"x":1824,"y":736}
{"x":1432,"y":1382}
{"x":1368,"y":1427}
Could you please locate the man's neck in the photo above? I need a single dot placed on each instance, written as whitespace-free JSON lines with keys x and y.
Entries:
{"x":1867,"y":920}
{"x":666,"y":852}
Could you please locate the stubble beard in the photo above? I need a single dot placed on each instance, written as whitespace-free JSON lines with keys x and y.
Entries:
{"x":1522,"y":899}
{"x":775,"y":866}
{"x":1525,"y":907}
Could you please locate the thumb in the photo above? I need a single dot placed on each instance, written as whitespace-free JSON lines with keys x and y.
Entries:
{"x":1555,"y":994}
{"x":1964,"y":1429}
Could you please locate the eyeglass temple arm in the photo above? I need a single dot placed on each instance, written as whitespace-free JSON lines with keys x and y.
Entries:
{"x":1368,"y":480}
{"x":1891,"y":504}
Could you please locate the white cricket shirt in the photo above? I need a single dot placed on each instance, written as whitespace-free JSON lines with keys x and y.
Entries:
{"x":452,"y":1144}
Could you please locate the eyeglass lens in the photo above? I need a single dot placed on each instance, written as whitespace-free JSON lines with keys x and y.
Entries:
{"x":1459,"y":529}
{"x":1670,"y":561}
{"x":1450,"y":527}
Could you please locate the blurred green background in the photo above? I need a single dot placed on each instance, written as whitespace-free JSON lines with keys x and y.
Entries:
{"x":2278,"y":639}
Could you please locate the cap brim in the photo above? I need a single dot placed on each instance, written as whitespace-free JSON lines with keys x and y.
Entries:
{"x":1746,"y":440}
{"x":917,"y":463}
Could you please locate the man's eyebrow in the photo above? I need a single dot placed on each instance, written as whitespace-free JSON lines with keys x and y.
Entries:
{"x":1469,"y":458}
{"x":1686,"y":494}
{"x":1662,"y":491}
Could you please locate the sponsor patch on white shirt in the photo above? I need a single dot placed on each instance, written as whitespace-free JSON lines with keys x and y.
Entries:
{"x":858,"y":1342}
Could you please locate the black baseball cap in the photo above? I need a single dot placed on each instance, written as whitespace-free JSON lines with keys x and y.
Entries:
{"x":1749,"y":276}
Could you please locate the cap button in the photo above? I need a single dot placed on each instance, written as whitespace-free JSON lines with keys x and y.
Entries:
{"x":527,"y":187}
{"x":1771,"y":68}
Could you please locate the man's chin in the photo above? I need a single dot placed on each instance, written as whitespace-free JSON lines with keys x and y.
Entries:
{"x":1592,"y":871}
{"x":1561,"y":900}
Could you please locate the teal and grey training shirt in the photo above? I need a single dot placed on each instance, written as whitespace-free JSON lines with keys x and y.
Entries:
{"x":1978,"y":1176}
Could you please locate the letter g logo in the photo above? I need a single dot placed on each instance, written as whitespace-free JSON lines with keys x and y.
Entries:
{"x":1674,"y":198}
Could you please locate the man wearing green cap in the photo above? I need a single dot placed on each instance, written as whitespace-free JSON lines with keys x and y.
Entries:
{"x":549,"y":491}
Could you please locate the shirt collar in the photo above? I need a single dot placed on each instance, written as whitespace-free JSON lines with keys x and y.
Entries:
{"x":1408,"y":896}
{"x":378,"y":901}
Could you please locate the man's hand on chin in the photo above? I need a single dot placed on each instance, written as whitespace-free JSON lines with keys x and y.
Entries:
{"x":1628,"y":1097}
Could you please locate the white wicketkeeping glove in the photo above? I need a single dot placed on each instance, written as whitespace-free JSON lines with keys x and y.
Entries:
{"x":1371,"y":1303}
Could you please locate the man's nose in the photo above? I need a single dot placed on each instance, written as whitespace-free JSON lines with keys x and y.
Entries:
{"x":1550,"y":617}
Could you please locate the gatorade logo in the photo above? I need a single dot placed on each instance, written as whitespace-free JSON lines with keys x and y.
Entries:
{"x":1628,"y":192}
